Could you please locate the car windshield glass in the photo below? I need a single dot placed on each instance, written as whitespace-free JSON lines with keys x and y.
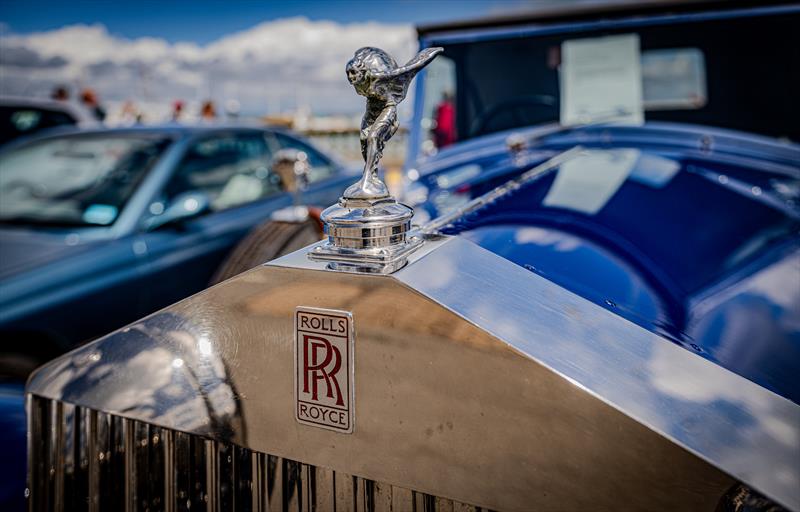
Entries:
{"x":698,"y":73}
{"x":74,"y":180}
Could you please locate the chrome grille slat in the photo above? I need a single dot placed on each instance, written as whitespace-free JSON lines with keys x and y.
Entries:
{"x":181,"y":467}
{"x":80,"y":501}
{"x":324,"y":489}
{"x":81,"y":459}
{"x":225,"y":476}
{"x":345,"y":491}
{"x":129,"y":468}
{"x":100,"y":446}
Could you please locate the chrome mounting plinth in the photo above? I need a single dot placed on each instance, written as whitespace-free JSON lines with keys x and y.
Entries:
{"x":367,"y":236}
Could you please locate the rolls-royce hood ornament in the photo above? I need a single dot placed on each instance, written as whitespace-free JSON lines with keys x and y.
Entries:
{"x":367,"y":229}
{"x":376,"y":76}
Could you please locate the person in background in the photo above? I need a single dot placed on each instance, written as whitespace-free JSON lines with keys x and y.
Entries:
{"x":444,"y":133}
{"x":60,"y":93}
{"x":208,"y":111}
{"x":177,"y":111}
{"x":129,"y":114}
{"x":90,"y":101}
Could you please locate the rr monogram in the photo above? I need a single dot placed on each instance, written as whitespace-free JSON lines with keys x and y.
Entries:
{"x":316,"y":370}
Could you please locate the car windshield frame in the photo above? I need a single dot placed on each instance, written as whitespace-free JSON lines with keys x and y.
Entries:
{"x":96,"y":214}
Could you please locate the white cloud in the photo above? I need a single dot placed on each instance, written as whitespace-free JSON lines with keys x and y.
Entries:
{"x":273,"y":66}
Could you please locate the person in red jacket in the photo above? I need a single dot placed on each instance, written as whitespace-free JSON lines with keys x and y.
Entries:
{"x":444,"y":133}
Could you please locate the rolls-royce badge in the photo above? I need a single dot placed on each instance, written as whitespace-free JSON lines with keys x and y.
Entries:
{"x":323,"y":368}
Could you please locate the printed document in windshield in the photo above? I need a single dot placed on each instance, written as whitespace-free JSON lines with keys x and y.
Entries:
{"x":601,"y":80}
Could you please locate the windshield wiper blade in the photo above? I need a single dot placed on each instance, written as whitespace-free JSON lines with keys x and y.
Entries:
{"x":434,"y":226}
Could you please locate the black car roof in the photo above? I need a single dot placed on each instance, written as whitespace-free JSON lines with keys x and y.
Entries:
{"x":579,"y":11}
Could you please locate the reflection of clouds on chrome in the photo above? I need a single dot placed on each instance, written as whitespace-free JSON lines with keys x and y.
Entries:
{"x":764,"y":420}
{"x":691,"y":381}
{"x":274,"y":65}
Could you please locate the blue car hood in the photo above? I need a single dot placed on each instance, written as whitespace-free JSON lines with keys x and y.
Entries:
{"x":25,"y":250}
{"x":700,"y":248}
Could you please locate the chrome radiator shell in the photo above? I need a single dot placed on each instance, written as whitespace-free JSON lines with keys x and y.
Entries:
{"x":90,"y":460}
{"x":476,"y":381}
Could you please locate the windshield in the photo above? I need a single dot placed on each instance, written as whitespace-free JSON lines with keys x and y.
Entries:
{"x":701,"y":73}
{"x":74,"y":180}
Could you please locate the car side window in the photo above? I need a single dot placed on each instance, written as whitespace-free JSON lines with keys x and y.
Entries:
{"x":321,"y":167}
{"x":231,"y":170}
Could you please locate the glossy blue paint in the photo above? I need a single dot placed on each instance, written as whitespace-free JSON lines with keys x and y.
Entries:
{"x":710,"y":258}
{"x":698,"y":246}
{"x":61,"y":286}
{"x":697,"y":242}
{"x":724,"y":150}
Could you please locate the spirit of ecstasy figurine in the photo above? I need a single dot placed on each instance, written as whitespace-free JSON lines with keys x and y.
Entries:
{"x":367,"y":229}
{"x":376,"y":75}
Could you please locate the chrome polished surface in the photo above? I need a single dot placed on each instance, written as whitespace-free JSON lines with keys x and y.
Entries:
{"x":87,"y":459}
{"x":371,"y":239}
{"x":475,"y":381}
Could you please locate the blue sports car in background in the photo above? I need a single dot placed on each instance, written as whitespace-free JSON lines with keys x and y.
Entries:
{"x":98,"y":228}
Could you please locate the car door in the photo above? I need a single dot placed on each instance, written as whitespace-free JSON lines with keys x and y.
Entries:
{"x":327,"y":180}
{"x":231,"y":169}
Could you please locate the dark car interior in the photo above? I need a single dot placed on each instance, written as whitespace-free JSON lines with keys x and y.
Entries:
{"x":750,"y":70}
{"x":26,"y":120}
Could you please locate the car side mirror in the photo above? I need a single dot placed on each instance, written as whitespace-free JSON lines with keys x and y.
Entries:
{"x":292,"y":166}
{"x":183,"y":207}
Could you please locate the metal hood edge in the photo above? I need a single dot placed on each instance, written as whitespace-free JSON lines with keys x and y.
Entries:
{"x":474,"y":379}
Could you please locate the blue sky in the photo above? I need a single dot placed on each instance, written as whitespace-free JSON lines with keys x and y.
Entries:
{"x":203,"y":21}
{"x":267,"y":55}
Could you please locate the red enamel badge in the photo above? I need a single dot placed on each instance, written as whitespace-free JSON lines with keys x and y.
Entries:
{"x":323,"y":367}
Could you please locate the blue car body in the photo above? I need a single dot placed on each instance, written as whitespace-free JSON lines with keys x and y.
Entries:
{"x":698,"y":243}
{"x":701,"y":248}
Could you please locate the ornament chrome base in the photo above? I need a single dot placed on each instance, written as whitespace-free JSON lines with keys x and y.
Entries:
{"x":367,"y":236}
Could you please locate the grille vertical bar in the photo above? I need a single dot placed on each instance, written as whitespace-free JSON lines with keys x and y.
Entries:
{"x":81,"y":459}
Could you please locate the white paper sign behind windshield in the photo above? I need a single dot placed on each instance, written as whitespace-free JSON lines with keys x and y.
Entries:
{"x":601,"y":80}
